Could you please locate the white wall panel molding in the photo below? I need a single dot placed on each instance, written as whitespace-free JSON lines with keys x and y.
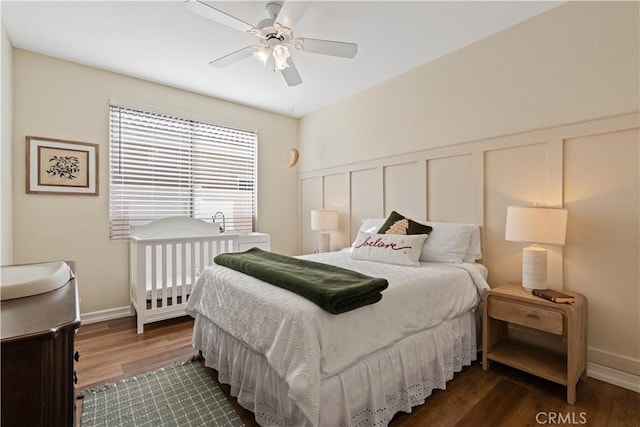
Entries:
{"x":336,"y":191}
{"x":450,"y":188}
{"x":555,"y":161}
{"x":478,"y":187}
{"x":602,"y":195}
{"x":402,"y":188}
{"x":423,"y":188}
{"x":587,"y":167}
{"x":311,"y":197}
{"x":552,"y":172}
{"x":366,"y":191}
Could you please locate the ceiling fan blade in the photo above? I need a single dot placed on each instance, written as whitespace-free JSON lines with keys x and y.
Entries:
{"x":208,"y":11}
{"x":291,"y":75}
{"x":329,"y":47}
{"x":234,"y":57}
{"x":291,"y":12}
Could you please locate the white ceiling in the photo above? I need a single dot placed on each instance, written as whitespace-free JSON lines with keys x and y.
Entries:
{"x":162,"y":42}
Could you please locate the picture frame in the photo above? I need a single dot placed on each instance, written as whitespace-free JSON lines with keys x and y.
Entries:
{"x":58,"y":166}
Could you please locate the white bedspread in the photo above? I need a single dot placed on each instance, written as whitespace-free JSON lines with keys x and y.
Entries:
{"x":305,"y":344}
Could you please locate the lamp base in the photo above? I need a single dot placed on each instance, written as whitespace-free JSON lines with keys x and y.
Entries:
{"x":534,"y":267}
{"x":323,"y":242}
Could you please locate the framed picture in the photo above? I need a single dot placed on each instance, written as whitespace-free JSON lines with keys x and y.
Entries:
{"x":56,"y":166}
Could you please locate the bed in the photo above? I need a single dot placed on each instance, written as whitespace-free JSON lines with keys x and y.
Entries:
{"x":293,"y":364}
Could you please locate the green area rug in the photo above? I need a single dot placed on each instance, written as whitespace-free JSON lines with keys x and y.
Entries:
{"x":177,"y":395}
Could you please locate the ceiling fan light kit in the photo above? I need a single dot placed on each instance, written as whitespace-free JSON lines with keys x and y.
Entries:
{"x":275,"y":35}
{"x":280,"y":56}
{"x":263,"y":54}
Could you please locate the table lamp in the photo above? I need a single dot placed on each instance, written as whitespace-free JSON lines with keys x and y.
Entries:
{"x":324,"y":220}
{"x":537,"y":225}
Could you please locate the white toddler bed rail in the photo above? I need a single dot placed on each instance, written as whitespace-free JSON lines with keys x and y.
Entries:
{"x":166,"y":258}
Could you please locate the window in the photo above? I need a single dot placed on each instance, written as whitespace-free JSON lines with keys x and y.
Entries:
{"x":162,"y":165}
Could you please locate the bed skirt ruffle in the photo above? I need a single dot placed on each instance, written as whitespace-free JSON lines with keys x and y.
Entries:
{"x":368,"y":393}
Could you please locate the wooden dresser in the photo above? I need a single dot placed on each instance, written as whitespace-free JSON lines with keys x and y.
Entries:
{"x":37,"y":349}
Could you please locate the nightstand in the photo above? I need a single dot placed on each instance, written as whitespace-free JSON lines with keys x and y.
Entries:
{"x":511,"y":304}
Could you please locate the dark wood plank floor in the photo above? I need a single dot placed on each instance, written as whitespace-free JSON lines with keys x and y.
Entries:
{"x":112,"y":350}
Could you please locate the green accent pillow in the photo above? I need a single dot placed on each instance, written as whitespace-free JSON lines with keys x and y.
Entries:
{"x":399,"y":224}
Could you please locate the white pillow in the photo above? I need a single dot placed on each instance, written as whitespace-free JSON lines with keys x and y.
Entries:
{"x":472,"y":251}
{"x":388,"y":248}
{"x":448,"y":242}
{"x":371,"y":225}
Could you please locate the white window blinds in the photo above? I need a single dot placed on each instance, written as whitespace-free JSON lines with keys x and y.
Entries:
{"x":161,"y":166}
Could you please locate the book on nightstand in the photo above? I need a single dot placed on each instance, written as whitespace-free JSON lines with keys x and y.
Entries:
{"x":553,"y":296}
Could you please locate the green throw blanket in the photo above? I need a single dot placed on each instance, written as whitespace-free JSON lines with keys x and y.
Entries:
{"x":334,"y":289}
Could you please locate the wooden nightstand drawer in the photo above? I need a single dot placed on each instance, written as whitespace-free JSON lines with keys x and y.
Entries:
{"x":526,"y":315}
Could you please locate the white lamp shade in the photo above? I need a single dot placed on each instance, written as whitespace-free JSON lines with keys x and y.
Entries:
{"x":536,"y":225}
{"x":324,"y":219}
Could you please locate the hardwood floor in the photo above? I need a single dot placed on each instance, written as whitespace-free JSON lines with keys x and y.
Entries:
{"x":112,"y":350}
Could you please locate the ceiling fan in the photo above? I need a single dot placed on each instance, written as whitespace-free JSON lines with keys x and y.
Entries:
{"x":275,"y":35}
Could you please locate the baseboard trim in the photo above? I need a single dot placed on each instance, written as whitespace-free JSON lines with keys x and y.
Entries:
{"x":614,"y":376}
{"x":110,"y":314}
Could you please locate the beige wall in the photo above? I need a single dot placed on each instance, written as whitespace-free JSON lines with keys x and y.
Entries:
{"x":492,"y":124}
{"x":6,"y":193}
{"x":602,"y":257}
{"x":574,"y":63}
{"x":59,"y":99}
{"x":592,"y":168}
